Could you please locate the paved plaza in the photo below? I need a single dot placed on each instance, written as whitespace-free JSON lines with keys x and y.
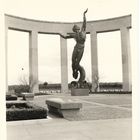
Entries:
{"x":103,"y":117}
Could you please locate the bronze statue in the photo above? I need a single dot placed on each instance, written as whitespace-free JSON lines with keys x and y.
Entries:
{"x":80,"y":37}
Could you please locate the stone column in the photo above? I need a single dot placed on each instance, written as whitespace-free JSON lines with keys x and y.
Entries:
{"x":64,"y":65}
{"x":126,"y":59}
{"x":94,"y":59}
{"x":6,"y":56}
{"x":2,"y":75}
{"x":33,"y":61}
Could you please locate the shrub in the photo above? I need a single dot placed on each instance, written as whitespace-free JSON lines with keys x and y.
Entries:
{"x":11,"y":97}
{"x":20,"y":89}
{"x":24,"y":111}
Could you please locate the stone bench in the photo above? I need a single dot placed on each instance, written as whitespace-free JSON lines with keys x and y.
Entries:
{"x":63,"y":107}
{"x":28,"y":96}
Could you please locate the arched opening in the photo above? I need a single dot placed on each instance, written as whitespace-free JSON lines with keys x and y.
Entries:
{"x":49,"y":59}
{"x":18,"y":57}
{"x":110,"y":58}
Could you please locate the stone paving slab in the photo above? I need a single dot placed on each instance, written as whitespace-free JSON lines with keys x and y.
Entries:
{"x":127,"y":106}
{"x":112,"y":129}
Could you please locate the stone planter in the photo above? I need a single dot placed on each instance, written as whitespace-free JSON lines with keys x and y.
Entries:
{"x":11,"y":97}
{"x":80,"y":92}
{"x":28,"y":96}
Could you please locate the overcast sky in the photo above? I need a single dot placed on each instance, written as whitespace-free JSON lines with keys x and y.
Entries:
{"x":109,"y":46}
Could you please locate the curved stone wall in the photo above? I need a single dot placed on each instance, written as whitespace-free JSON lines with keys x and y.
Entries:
{"x":106,"y":25}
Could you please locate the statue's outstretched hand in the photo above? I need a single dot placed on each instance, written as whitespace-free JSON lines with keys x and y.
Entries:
{"x":61,"y":35}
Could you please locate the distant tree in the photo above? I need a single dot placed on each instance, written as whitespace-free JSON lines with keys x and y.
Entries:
{"x":23,"y":85}
{"x":45,"y":83}
{"x":23,"y":80}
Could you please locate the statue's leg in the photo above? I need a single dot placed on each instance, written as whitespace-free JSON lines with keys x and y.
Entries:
{"x":80,"y":68}
{"x":79,"y":56}
{"x":76,"y":58}
{"x":74,"y":64}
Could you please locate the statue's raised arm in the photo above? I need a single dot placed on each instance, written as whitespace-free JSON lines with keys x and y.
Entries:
{"x":84,"y":21}
{"x":70,"y":35}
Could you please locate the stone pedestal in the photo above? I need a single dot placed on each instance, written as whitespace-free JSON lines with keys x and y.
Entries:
{"x":28,"y":96}
{"x":79,"y":92}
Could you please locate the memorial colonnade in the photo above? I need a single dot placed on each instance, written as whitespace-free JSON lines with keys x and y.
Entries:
{"x":122,"y":24}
